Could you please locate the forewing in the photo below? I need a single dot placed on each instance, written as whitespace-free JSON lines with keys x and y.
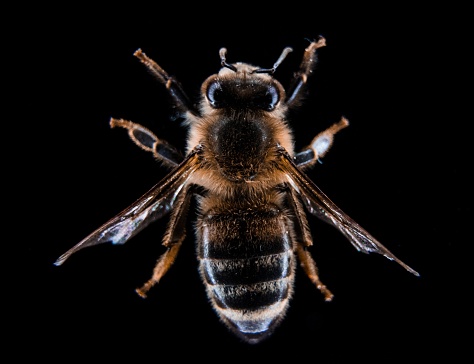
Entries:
{"x":317,"y":203}
{"x":153,"y":205}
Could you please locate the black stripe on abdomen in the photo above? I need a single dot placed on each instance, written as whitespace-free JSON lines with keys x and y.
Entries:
{"x":246,"y":271}
{"x":250,"y":296}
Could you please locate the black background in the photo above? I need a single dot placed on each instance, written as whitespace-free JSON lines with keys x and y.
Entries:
{"x":398,"y":170}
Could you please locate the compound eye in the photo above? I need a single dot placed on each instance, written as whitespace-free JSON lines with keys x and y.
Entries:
{"x":274,"y":97}
{"x":214,"y":95}
{"x":265,"y":99}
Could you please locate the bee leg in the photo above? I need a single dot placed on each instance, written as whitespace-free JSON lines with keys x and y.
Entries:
{"x":309,"y":266}
{"x":302,"y":235}
{"x":319,"y":145}
{"x":149,"y":142}
{"x":301,"y":77}
{"x":162,"y":266}
{"x":181,"y":100}
{"x":175,"y":234}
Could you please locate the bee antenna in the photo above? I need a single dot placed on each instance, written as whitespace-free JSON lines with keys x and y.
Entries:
{"x":277,"y":63}
{"x":222,"y":54}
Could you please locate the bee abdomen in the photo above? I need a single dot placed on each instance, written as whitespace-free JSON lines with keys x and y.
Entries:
{"x":246,"y":261}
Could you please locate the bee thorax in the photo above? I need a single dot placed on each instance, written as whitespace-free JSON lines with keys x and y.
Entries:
{"x":239,"y":146}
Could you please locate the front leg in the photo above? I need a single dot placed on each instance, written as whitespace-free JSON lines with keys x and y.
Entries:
{"x":319,"y":145}
{"x":181,"y":100}
{"x":148,"y":141}
{"x":301,"y":77}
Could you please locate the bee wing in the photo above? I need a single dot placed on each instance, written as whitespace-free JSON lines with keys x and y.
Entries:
{"x":317,"y":203}
{"x":154,"y":204}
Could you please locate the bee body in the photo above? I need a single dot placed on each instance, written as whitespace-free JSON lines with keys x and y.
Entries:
{"x":252,"y":194}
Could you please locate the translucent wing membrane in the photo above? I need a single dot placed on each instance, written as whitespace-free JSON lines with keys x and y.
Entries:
{"x":153,"y":205}
{"x":320,"y":205}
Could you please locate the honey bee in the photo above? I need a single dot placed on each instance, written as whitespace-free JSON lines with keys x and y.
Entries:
{"x":251,"y":192}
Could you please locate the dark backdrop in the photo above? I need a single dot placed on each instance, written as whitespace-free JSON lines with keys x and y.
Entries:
{"x":397,"y":170}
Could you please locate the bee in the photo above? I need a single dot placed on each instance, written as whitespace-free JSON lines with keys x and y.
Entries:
{"x":250,"y":189}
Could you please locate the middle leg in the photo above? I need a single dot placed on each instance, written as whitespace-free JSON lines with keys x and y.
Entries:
{"x":319,"y":145}
{"x":149,"y":142}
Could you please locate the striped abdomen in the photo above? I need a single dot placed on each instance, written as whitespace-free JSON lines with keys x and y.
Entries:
{"x":247,"y":263}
